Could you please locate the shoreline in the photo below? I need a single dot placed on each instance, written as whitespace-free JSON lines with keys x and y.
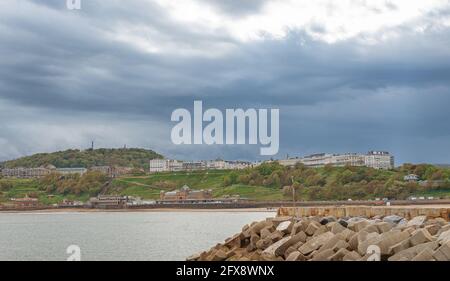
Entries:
{"x":155,"y":210}
{"x":274,"y":209}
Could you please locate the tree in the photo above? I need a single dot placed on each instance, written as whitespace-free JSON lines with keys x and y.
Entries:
{"x":244,"y":179}
{"x":438,"y":175}
{"x":227,"y":181}
{"x":346,"y":176}
{"x":5,"y":185}
{"x":233,"y":177}
{"x":420,"y":170}
{"x":290,"y":190}
{"x":266,"y":169}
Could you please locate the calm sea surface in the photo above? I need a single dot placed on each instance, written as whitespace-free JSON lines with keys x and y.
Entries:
{"x":117,"y":235}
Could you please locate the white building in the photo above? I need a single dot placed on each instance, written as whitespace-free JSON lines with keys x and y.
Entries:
{"x":317,"y":160}
{"x":373,"y":159}
{"x":71,"y":171}
{"x":216,"y":164}
{"x":25,"y":172}
{"x":379,"y":160}
{"x":237,"y":165}
{"x":351,"y":159}
{"x":165,"y":165}
{"x":158,"y":165}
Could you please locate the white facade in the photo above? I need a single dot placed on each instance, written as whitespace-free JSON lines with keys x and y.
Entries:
{"x":351,"y":159}
{"x":166,"y":165}
{"x":317,"y":160}
{"x":25,"y":172}
{"x":289,"y":162}
{"x":237,"y":165}
{"x":374,"y":159}
{"x":158,"y":165}
{"x":71,"y":171}
{"x":216,"y":164}
{"x":379,"y":160}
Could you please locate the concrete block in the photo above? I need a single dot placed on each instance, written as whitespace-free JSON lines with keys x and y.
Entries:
{"x":290,"y":250}
{"x":347,"y":234}
{"x":358,"y":225}
{"x":343,"y":222}
{"x":425,"y":255}
{"x":443,"y":253}
{"x":371,"y":228}
{"x":219,"y":255}
{"x":276,"y":236}
{"x":322,"y":229}
{"x":351,"y":256}
{"x":417,"y":221}
{"x":296,"y":256}
{"x":410,"y":253}
{"x":420,"y":236}
{"x":315,"y":243}
{"x":285,"y":227}
{"x":339,"y":255}
{"x":313,"y":226}
{"x":385,"y":241}
{"x":274,"y":249}
{"x":433,"y":229}
{"x":264,"y":243}
{"x":370,"y":239}
{"x":393,"y":219}
{"x":389,"y":239}
{"x":234,"y":241}
{"x":403,"y":245}
{"x":337,"y":228}
{"x":443,"y":229}
{"x":383,"y":226}
{"x":334,"y":244}
{"x":444,"y":237}
{"x":265,"y":232}
{"x":277,"y":220}
{"x":323,"y":256}
{"x":299,"y":226}
{"x":293,"y":240}
{"x":326,"y":220}
{"x":357,"y":238}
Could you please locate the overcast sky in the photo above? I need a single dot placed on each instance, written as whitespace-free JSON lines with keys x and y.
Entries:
{"x":347,"y":76}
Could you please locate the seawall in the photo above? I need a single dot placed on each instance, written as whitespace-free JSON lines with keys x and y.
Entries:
{"x":408,"y":212}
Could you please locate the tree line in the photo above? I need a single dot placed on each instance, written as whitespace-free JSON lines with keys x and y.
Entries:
{"x":342,"y":183}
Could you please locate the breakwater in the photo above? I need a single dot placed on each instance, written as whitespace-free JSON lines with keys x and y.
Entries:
{"x":347,"y":233}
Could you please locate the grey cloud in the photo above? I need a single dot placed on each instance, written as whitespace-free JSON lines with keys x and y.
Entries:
{"x":62,"y":73}
{"x":236,"y":8}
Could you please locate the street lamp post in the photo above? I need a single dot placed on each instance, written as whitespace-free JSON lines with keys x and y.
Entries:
{"x":293,"y":191}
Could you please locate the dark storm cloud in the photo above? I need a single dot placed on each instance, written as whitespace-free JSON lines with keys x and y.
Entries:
{"x":66,"y":68}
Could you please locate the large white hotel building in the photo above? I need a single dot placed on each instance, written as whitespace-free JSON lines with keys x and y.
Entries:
{"x":169,"y":165}
{"x":373,"y":159}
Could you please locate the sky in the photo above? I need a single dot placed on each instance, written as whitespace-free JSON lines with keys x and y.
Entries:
{"x":347,"y":76}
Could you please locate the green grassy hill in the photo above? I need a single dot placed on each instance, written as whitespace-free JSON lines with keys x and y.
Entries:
{"x":127,"y":157}
{"x":19,"y":188}
{"x":149,"y":187}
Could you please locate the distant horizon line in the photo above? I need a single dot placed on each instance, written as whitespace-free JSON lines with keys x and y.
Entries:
{"x":221,"y":158}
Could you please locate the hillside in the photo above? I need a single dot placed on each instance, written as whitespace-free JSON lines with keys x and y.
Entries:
{"x":149,"y":187}
{"x":273,"y":182}
{"x":269,"y":181}
{"x":127,"y":157}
